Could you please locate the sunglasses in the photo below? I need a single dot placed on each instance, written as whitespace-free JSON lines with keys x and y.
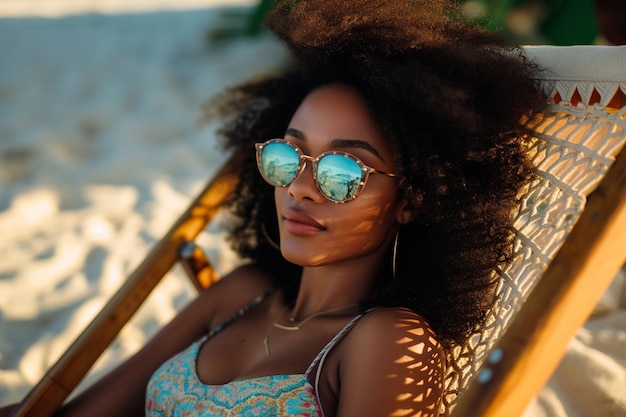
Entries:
{"x":339,"y":176}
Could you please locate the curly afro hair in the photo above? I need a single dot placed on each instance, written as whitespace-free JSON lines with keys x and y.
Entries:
{"x":449,"y":96}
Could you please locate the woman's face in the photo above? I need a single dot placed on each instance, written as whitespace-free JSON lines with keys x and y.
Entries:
{"x":315,"y":231}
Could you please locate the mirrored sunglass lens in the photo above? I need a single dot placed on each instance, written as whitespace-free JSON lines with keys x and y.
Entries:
{"x":280,"y":163}
{"x":338,"y":177}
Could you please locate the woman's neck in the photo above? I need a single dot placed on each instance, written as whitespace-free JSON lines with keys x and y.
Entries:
{"x":334,"y":286}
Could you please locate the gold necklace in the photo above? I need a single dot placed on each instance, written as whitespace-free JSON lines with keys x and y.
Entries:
{"x":296,"y":327}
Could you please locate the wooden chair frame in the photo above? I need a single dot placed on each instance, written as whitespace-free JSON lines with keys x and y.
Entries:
{"x":515,"y":369}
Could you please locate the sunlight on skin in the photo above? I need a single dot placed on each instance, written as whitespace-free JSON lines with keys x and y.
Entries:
{"x":422,"y":355}
{"x":362,"y":226}
{"x":355,"y":240}
{"x":370,"y":221}
{"x":423,"y":345}
{"x":412,"y":413}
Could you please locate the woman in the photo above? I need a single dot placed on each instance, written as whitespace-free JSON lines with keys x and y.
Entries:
{"x":374,"y":210}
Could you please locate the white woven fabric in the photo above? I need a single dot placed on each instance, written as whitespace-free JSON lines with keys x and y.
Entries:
{"x":581,"y":68}
{"x":572,"y":147}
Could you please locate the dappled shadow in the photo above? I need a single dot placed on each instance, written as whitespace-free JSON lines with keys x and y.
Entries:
{"x":422,"y":354}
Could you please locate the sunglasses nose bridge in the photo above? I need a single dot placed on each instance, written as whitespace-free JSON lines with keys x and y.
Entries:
{"x":303,"y":163}
{"x":306,"y":187}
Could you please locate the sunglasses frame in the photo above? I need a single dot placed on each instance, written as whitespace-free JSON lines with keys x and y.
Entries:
{"x":302,"y":160}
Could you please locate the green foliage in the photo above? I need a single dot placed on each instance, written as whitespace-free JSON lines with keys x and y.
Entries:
{"x":555,"y":22}
{"x":244,"y":22}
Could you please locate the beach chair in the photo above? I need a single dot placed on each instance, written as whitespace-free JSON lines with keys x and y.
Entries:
{"x":570,"y":244}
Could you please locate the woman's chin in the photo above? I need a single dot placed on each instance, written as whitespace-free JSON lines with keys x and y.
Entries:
{"x":305,"y":257}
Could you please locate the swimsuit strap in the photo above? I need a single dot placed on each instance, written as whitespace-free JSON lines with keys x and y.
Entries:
{"x":322,"y":354}
{"x":321,"y":357}
{"x":243,"y":310}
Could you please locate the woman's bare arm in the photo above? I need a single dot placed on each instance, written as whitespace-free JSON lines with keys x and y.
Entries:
{"x":122,"y":391}
{"x":392,"y":365}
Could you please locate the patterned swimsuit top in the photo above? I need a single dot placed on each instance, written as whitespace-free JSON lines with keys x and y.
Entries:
{"x":176,"y":390}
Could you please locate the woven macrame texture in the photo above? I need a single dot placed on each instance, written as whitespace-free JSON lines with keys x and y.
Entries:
{"x":572,"y":146}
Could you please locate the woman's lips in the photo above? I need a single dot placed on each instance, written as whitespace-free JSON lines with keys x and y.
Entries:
{"x":299,"y":223}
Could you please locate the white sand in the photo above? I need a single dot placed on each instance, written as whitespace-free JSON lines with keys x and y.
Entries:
{"x":60,"y":8}
{"x":99,"y":154}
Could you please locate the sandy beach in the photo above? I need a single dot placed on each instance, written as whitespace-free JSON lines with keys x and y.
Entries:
{"x":101,"y":150}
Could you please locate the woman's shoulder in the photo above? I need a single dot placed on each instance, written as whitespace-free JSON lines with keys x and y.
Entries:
{"x":248,"y":278}
{"x":393,"y":333}
{"x":394,"y":320}
{"x":235,"y":290}
{"x":390,"y":361}
{"x":242,"y":282}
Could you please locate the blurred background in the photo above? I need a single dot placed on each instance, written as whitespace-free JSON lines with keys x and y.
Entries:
{"x":550,"y":22}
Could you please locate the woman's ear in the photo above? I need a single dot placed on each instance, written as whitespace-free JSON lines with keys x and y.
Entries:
{"x":405,"y":213}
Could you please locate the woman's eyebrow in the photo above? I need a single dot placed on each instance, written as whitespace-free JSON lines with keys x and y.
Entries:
{"x":354,"y":143}
{"x":338,"y":143}
{"x":295,"y":133}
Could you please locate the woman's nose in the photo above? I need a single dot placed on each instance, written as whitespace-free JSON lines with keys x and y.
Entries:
{"x":303,"y":187}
